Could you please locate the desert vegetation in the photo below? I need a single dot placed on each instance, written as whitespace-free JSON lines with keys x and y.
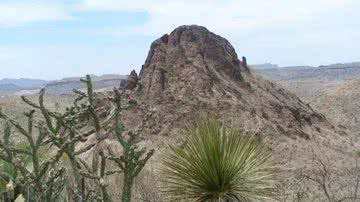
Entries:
{"x":43,"y":159}
{"x":33,"y":154}
{"x":218,"y":164}
{"x":131,"y":143}
{"x":64,"y":155}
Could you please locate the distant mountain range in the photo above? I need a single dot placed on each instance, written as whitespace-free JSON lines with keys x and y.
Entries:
{"x":66,"y":85}
{"x":265,"y":66}
{"x":63,"y":86}
{"x":339,"y":71}
{"x":307,"y":81}
{"x":9,"y":88}
{"x":24,"y":83}
{"x":293,"y":76}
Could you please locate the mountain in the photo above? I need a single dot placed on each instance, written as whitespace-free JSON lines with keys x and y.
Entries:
{"x":341,"y":65}
{"x":307,"y":81}
{"x":192,"y":71}
{"x":25,"y":83}
{"x":8,"y":88}
{"x":333,"y":90}
{"x":66,"y":85}
{"x":265,"y":66}
{"x":95,"y":77}
{"x":63,"y":86}
{"x":324,"y":72}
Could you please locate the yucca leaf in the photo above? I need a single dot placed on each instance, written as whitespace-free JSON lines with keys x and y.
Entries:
{"x":218,"y":163}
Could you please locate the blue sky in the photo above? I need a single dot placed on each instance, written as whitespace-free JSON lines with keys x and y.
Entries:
{"x":51,"y":39}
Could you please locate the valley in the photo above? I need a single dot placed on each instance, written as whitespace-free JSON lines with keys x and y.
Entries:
{"x":179,"y":101}
{"x":332,"y":90}
{"x":303,"y":114}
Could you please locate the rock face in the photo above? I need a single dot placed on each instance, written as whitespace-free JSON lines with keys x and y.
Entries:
{"x":190,"y":57}
{"x":193,"y":71}
{"x":244,"y":62}
{"x":132,"y":80}
{"x":197,"y":70}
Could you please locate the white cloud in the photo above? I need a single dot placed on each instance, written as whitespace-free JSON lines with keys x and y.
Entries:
{"x":17,"y":13}
{"x":226,"y":17}
{"x":288,"y":32}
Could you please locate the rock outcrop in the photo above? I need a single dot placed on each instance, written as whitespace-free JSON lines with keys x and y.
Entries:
{"x":190,"y":58}
{"x":244,"y":62}
{"x":193,"y":71}
{"x":132,"y":80}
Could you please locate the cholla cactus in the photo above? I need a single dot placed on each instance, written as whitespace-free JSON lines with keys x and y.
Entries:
{"x":131,"y":162}
{"x":44,"y":178}
{"x":62,"y":132}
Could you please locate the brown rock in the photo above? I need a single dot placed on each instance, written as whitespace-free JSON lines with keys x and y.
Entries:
{"x":191,"y":56}
{"x":193,"y":71}
{"x":244,"y":62}
{"x":132,"y":80}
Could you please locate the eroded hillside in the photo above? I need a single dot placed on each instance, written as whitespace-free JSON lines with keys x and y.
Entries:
{"x":192,"y":71}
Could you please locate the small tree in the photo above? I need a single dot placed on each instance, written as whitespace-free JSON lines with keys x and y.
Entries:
{"x":218,"y":164}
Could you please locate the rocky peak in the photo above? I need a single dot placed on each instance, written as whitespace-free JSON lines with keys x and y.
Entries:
{"x":193,"y":71}
{"x":190,"y":57}
{"x":132,"y":80}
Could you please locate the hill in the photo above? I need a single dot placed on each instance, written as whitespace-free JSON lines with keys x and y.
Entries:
{"x":8,"y":88}
{"x":25,"y":83}
{"x":265,"y":66}
{"x":332,"y":90}
{"x":341,"y":105}
{"x":66,"y":85}
{"x":307,"y":81}
{"x":192,"y":71}
{"x":63,"y":86}
{"x":324,"y":72}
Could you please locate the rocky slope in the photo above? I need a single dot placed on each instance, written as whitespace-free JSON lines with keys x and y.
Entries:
{"x":192,"y":71}
{"x":332,"y":90}
{"x":341,"y":105}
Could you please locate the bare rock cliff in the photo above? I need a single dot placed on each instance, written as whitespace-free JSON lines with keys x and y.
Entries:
{"x":190,"y":58}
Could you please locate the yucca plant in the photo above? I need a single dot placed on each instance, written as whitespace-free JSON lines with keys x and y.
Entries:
{"x":218,"y":164}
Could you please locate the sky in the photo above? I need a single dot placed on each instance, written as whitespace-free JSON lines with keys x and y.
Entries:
{"x":52,"y":39}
